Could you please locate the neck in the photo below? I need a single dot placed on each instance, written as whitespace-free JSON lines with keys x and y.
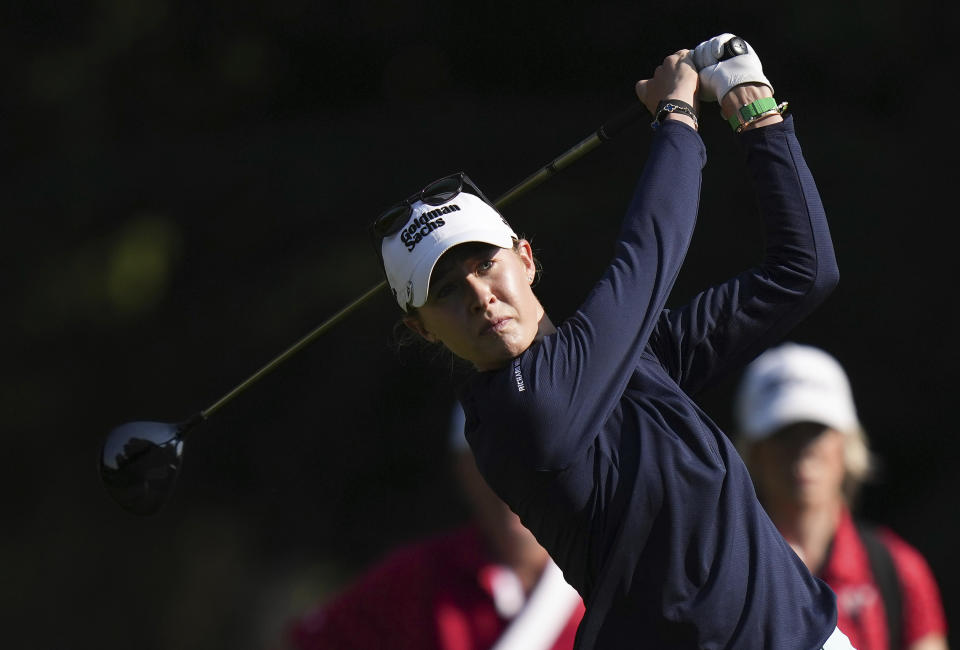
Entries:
{"x":808,"y":530}
{"x":544,"y":328}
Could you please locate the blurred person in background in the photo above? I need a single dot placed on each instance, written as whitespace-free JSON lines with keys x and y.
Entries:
{"x":488,"y":584}
{"x":801,"y":439}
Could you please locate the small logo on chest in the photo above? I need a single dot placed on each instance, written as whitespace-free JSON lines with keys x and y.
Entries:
{"x":518,"y":376}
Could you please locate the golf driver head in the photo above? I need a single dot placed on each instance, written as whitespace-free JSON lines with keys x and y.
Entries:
{"x":139,"y":464}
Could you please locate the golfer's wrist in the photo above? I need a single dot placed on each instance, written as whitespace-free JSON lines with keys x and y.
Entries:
{"x":741,"y":96}
{"x":680,"y":117}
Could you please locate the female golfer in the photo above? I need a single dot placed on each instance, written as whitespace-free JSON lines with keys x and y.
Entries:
{"x":588,"y":430}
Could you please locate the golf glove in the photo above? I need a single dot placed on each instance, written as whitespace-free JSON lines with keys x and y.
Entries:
{"x":718,"y":77}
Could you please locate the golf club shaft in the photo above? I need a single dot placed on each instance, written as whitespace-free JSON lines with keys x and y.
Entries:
{"x":607,"y":131}
{"x":293,"y":349}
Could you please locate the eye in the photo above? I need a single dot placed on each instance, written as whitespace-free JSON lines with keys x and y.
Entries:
{"x":444,"y":290}
{"x":485,"y":265}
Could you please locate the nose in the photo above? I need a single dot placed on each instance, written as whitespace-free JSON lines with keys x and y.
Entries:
{"x":479,"y":294}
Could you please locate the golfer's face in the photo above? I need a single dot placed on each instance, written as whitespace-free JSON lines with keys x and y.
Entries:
{"x":481,"y":306}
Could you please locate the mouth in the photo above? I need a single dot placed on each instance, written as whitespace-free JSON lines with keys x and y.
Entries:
{"x":494,"y":326}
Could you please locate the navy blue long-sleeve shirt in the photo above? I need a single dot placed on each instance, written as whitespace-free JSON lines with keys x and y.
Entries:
{"x":592,"y":437}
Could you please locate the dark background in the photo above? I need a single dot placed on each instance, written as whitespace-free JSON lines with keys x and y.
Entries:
{"x":183,"y":195}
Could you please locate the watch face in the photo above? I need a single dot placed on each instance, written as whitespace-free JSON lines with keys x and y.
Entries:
{"x":735,"y":47}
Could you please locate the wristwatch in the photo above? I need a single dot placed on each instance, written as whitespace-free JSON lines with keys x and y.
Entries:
{"x":667,"y":106}
{"x":750,"y":113}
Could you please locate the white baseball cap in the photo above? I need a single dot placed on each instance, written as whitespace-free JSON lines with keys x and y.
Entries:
{"x":793,"y":383}
{"x":410,"y":254}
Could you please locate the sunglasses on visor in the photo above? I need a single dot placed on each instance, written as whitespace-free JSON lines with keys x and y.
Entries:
{"x":436,"y":193}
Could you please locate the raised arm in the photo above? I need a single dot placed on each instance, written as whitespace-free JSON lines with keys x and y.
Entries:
{"x":572,"y":378}
{"x":725,"y":326}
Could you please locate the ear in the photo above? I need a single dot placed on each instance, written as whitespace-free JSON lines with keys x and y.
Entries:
{"x":526,"y":255}
{"x":416,"y":325}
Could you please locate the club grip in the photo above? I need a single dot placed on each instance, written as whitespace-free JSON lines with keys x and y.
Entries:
{"x":612,"y":127}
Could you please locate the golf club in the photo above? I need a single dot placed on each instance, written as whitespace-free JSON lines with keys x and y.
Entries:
{"x":139,"y":461}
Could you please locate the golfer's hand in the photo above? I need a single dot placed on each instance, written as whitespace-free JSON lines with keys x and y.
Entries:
{"x":718,"y":76}
{"x":675,"y":78}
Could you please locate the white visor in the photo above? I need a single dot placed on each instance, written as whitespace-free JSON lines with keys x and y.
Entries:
{"x":410,"y":254}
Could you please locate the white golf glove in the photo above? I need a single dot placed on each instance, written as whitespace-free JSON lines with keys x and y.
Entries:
{"x":718,"y":77}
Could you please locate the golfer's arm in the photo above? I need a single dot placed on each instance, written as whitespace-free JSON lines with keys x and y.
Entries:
{"x":725,"y":325}
{"x":580,"y":371}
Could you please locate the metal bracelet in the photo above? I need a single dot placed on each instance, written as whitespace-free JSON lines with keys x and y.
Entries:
{"x":668,"y":106}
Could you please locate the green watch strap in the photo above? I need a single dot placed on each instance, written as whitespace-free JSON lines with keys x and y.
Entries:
{"x":749,"y":111}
